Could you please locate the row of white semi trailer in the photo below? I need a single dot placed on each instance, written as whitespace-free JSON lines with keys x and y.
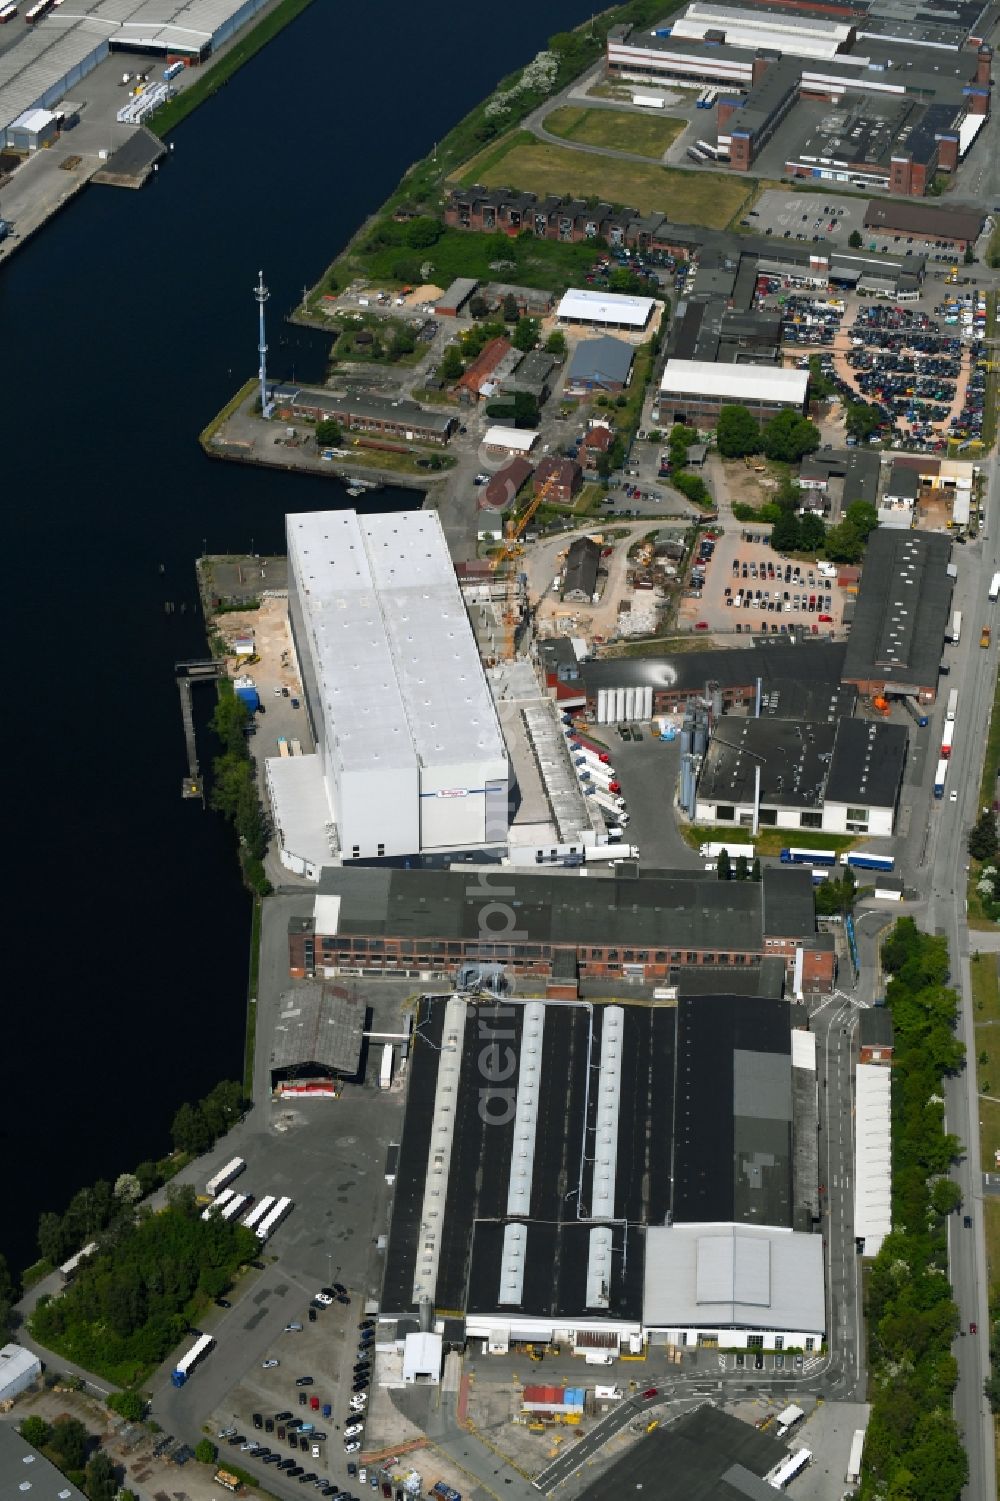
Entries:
{"x":262,"y":1216}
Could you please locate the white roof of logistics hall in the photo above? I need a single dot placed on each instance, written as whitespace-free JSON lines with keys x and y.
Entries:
{"x":704,"y":378}
{"x":69,"y":38}
{"x":400,"y":671}
{"x":606,"y":307}
{"x":727,"y":1275}
{"x":873,"y":1155}
{"x":801,"y":36}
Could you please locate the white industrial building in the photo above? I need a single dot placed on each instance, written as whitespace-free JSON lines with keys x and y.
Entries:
{"x":58,"y":50}
{"x":18,"y":1369}
{"x":409,"y":757}
{"x":796,"y":36}
{"x":747,"y":1285}
{"x":606,"y":309}
{"x":872,"y":1155}
{"x":761,"y":388}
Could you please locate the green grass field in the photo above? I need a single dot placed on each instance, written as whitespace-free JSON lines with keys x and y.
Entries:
{"x":620,"y":129}
{"x":536,"y":167}
{"x":768,"y":841}
{"x":991,"y":764}
{"x":529,"y":262}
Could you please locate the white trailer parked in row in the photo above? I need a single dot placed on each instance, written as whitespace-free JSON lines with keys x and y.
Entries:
{"x":225,"y":1176}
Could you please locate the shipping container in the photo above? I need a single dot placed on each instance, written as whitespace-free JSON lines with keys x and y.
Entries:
{"x":956,"y":626}
{"x":385,"y":1072}
{"x":940,"y":777}
{"x":952,"y":708}
{"x":273,"y":1219}
{"x":915,"y":712}
{"x":854,"y":1463}
{"x":732,"y":847}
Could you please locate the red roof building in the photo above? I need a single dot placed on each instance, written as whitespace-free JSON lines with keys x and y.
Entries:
{"x":567,"y":478}
{"x":483,"y":366}
{"x":502,"y":490}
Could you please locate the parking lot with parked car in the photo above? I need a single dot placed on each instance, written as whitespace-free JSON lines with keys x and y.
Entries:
{"x":743,"y":587}
{"x":307,"y":1423}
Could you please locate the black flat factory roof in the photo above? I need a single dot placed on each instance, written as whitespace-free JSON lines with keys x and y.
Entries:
{"x":867,"y":765}
{"x":791,"y":756}
{"x":902,"y":610}
{"x":733,"y":1114}
{"x":706,"y":1455}
{"x":651,"y":910}
{"x":688,"y":672}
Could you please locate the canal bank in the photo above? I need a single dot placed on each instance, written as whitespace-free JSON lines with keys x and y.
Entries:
{"x":128,"y":969}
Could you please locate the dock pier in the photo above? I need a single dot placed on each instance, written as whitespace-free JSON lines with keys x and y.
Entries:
{"x":186,"y":675}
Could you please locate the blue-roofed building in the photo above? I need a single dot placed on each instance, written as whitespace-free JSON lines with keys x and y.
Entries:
{"x":603,"y":364}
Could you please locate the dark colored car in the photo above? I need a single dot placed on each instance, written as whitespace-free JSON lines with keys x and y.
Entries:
{"x":651,"y":1391}
{"x":281,"y":1417}
{"x":258,"y":1420}
{"x":303,"y":1399}
{"x":312,"y":1315}
{"x":268,"y":1425}
{"x":304,"y":1381}
{"x":967,"y":1222}
{"x":281,"y":1432}
{"x":223,"y":1303}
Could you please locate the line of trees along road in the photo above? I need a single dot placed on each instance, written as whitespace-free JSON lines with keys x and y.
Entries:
{"x":913,"y":1450}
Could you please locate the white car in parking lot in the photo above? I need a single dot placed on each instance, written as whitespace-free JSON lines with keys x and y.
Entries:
{"x":353,"y":1430}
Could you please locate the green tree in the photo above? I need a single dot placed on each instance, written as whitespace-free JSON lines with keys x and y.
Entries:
{"x":190,"y":1131}
{"x":229,"y":723}
{"x":403,"y":341}
{"x":862,"y":420}
{"x":737,"y":432}
{"x":812,"y":532}
{"x":423,"y":232}
{"x":863,"y":517}
{"x":970,"y":256}
{"x":478,"y":306}
{"x":983,"y":837}
{"x":525,"y":335}
{"x":128,"y":1189}
{"x":844,"y":544}
{"x":785,"y":532}
{"x":742,"y":869}
{"x":328,"y":433}
{"x":205,"y":1452}
{"x":35,"y":1431}
{"x":511,"y":311}
{"x":755,"y":870}
{"x":820,"y":385}
{"x":788,"y":437}
{"x":51,"y":1241}
{"x":223,"y":1106}
{"x":556,"y":342}
{"x":128,"y":1404}
{"x":525,"y":409}
{"x":69,"y":1440}
{"x":723,"y":868}
{"x":8,"y":1295}
{"x":102,"y":1479}
{"x":854,"y":239}
{"x":946,"y":1196}
{"x":451,"y":365}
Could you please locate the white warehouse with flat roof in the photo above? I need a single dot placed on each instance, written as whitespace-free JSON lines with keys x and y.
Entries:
{"x":700,"y":388}
{"x":605,"y":309}
{"x":408,"y":743}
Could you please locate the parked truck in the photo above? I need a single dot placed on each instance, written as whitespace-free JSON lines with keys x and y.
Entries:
{"x":385,"y":1072}
{"x":995,"y":587}
{"x":947,"y":739}
{"x":733,"y":849}
{"x":985,"y":636}
{"x":940,"y":777}
{"x":188,"y":1361}
{"x":956,"y":627}
{"x":915,"y":712}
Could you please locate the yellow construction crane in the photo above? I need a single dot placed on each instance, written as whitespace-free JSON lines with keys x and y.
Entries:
{"x":510,"y":549}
